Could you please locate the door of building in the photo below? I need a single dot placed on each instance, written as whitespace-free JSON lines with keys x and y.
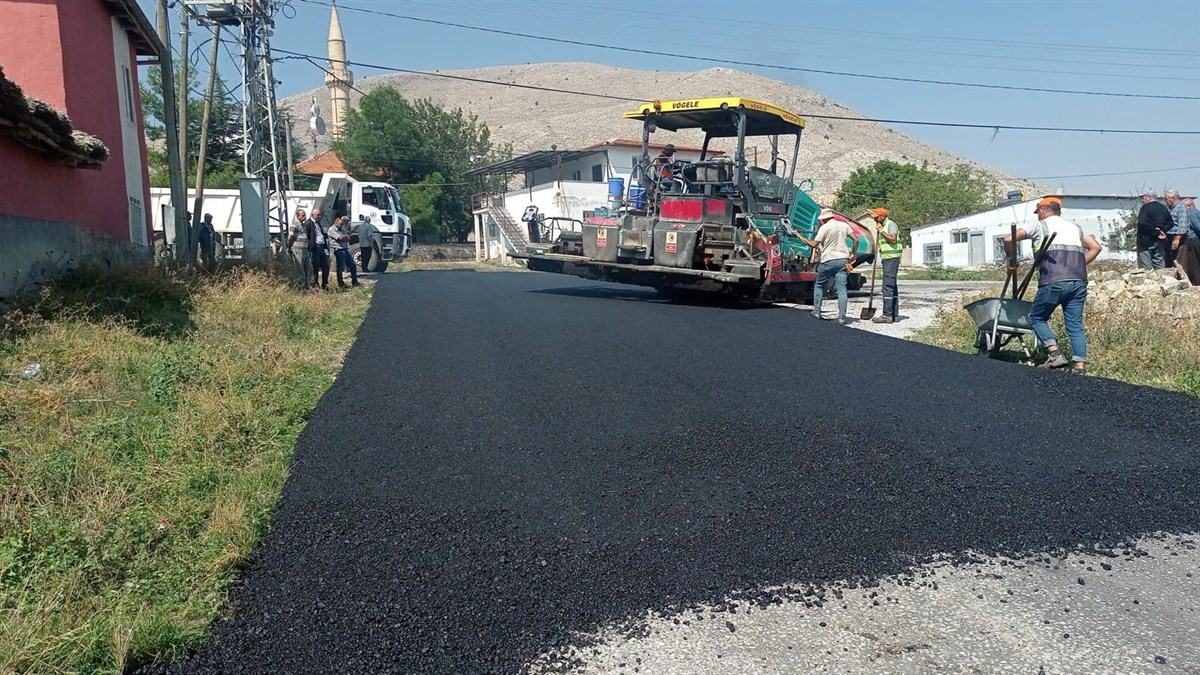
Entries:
{"x":976,"y":250}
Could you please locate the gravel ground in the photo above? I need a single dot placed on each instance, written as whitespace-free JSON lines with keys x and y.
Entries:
{"x":512,"y":462}
{"x":919,"y":304}
{"x":1081,"y":612}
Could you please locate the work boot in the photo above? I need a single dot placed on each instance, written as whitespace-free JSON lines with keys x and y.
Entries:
{"x":1079,"y":370}
{"x":884,"y":318}
{"x":841,"y":321}
{"x":1055,"y":360}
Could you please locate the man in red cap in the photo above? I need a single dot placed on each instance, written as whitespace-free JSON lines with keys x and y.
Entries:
{"x":889,"y":249}
{"x":1062,"y":281}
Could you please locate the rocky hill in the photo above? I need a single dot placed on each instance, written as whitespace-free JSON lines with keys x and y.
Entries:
{"x":536,"y":120}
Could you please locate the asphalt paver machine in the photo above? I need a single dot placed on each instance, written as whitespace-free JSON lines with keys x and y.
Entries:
{"x":715,"y":225}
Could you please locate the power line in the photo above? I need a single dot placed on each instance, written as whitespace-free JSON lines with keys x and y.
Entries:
{"x":625,"y":25}
{"x":627,"y":99}
{"x":1116,"y":173}
{"x":1056,"y":46}
{"x":706,"y":59}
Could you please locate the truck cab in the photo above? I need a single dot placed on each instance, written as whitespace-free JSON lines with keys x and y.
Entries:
{"x":341,"y":195}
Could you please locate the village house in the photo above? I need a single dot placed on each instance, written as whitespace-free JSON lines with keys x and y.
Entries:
{"x":977,"y":240}
{"x":560,"y":183}
{"x":74,"y":184}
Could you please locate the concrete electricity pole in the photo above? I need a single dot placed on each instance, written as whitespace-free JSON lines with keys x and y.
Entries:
{"x":182,"y":116}
{"x":171,"y":127}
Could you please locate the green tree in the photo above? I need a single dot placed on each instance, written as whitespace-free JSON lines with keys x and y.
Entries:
{"x":1120,"y":234}
{"x":223,"y":155}
{"x":421,"y":200}
{"x":916,"y":196}
{"x":405,"y":143}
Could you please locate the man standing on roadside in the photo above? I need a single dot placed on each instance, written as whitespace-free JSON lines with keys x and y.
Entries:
{"x":298,"y":244}
{"x":207,"y":237}
{"x":339,"y":234}
{"x":1062,"y":281}
{"x":1179,"y":227}
{"x":366,"y":235}
{"x":1189,"y":252}
{"x":1153,"y":222}
{"x":835,"y":256}
{"x":889,"y":249}
{"x":320,"y":252}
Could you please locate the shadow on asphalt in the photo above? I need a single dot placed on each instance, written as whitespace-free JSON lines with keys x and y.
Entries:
{"x":639,"y":294}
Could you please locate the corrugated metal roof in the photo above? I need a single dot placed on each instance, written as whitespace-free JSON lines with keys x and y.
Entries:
{"x":539,"y":159}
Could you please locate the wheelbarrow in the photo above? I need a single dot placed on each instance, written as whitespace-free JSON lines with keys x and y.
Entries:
{"x":999,"y":321}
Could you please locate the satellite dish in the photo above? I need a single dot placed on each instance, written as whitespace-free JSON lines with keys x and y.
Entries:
{"x":316,"y":125}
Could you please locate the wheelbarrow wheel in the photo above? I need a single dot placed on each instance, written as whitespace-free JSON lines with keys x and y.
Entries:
{"x":981,"y":345}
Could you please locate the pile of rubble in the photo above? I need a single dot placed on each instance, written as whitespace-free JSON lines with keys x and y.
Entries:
{"x":1165,"y":292}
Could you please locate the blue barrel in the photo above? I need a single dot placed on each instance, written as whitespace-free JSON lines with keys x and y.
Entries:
{"x":616,"y":187}
{"x":637,"y":196}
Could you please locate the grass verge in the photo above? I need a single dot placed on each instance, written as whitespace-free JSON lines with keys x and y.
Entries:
{"x":1139,"y":348}
{"x":141,"y":467}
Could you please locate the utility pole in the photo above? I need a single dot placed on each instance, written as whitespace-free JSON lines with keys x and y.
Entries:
{"x":253,"y":21}
{"x":182,"y":115}
{"x":203,"y":150}
{"x":171,"y":126}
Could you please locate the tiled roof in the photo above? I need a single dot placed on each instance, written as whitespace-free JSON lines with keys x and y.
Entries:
{"x":326,"y":162}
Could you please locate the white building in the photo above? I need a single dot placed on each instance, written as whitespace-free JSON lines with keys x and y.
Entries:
{"x":560,"y":183}
{"x":976,"y":240}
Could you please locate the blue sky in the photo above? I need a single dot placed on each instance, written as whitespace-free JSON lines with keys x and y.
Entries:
{"x":1131,"y":47}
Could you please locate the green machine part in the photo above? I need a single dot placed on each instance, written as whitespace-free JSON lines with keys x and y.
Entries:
{"x":803,"y":217}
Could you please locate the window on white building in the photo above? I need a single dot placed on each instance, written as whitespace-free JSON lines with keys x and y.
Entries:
{"x":577,"y":176}
{"x":998,"y":248}
{"x":933,"y":254}
{"x":597,"y":173}
{"x":959,"y":237}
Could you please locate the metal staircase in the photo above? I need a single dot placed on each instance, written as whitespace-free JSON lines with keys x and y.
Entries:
{"x":516,"y":233}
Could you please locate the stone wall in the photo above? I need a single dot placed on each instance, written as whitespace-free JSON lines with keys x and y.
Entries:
{"x":1165,"y":292}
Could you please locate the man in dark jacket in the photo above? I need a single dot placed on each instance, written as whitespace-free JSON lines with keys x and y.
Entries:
{"x":1153,"y":223}
{"x":320,"y":250}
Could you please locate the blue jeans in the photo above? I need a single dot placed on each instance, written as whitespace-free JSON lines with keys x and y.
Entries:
{"x":1071,"y":295}
{"x":344,"y":260}
{"x":837,"y":270}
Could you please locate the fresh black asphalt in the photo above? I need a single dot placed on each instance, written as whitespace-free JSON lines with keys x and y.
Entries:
{"x":510,"y":457}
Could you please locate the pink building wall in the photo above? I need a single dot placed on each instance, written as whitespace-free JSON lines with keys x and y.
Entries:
{"x":61,"y":51}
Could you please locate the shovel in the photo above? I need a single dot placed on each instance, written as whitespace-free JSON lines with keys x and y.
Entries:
{"x":868,"y":312}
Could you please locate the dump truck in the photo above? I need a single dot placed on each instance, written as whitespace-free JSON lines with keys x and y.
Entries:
{"x":338,"y":195}
{"x":714,"y":225}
